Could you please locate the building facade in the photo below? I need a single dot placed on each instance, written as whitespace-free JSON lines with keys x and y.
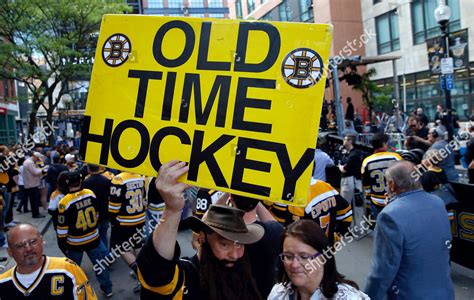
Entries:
{"x":188,"y":8}
{"x":8,"y":112}
{"x":403,"y":28}
{"x":345,"y":16}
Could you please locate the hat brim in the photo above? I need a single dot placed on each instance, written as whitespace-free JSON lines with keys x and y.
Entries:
{"x":254,"y":234}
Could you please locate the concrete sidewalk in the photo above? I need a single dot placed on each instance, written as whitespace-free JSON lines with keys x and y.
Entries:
{"x":42,"y":224}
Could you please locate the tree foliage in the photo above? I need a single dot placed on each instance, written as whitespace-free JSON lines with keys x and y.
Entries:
{"x":367,"y":87}
{"x":47,"y":43}
{"x":375,"y":98}
{"x":382,"y":99}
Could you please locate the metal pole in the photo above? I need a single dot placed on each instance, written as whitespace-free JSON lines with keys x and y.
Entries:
{"x":397,"y":90}
{"x":337,"y":100}
{"x":444,"y":37}
{"x":404,"y":93}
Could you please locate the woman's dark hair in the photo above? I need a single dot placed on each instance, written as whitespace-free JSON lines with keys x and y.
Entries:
{"x":308,"y":232}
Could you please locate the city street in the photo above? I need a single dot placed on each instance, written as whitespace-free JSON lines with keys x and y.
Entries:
{"x":353,"y":261}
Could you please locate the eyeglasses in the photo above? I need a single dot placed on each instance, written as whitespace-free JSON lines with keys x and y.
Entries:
{"x":289,"y":257}
{"x":32,"y":243}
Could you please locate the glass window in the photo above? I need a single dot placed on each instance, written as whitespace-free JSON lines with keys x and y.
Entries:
{"x":216,"y":16}
{"x":267,"y":16}
{"x":197,"y":15}
{"x":388,"y":38}
{"x":175,"y":3}
{"x":424,"y":25}
{"x":250,"y":6}
{"x":215,"y":3}
{"x":155,"y":3}
{"x":196,"y":3}
{"x":238,"y":9}
{"x":306,"y":10}
{"x":6,"y":91}
{"x":284,"y":11}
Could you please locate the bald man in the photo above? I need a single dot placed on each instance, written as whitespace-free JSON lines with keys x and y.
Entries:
{"x":37,"y":276}
{"x":412,"y":241}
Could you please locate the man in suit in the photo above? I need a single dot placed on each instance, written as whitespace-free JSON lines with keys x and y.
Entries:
{"x":412,"y":241}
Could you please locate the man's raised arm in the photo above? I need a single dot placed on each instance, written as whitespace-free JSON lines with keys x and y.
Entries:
{"x":165,"y":234}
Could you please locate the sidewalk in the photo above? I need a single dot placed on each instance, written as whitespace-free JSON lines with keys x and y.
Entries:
{"x":42,"y":224}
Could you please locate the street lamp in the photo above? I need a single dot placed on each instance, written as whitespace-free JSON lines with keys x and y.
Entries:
{"x":442,"y":15}
{"x":66,"y":100}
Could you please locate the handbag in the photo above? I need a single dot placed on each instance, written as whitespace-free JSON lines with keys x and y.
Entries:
{"x":446,"y":193}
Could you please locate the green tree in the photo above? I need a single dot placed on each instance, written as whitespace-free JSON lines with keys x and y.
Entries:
{"x":382,"y":99}
{"x":367,"y":87}
{"x":47,"y":43}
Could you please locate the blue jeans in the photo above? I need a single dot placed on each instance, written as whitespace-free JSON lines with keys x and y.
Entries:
{"x":7,"y":198}
{"x":95,"y":255}
{"x":103,"y":228}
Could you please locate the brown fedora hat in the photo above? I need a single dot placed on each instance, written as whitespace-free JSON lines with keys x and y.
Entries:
{"x":229,"y":223}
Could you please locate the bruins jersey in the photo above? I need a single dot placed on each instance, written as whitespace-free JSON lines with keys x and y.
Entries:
{"x":58,"y":278}
{"x":107,"y":174}
{"x":325,"y":206}
{"x":373,"y":179}
{"x":77,"y":221}
{"x":204,"y":199}
{"x":156,"y":205}
{"x":127,"y":204}
{"x":279,"y":211}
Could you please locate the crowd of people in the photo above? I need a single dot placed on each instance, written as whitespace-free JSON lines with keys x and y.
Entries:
{"x":245,"y":248}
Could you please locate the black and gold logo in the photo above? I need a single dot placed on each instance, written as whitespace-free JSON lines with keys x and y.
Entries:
{"x":302,"y":68}
{"x":116,"y":50}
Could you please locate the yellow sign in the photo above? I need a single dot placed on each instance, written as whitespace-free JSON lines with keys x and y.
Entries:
{"x":239,"y":101}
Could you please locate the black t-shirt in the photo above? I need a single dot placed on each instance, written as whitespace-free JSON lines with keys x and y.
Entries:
{"x":424,"y":119}
{"x":432,"y":178}
{"x":422,"y":132}
{"x":100,"y":185}
{"x":263,"y":257}
{"x":53,"y":172}
{"x":352,"y":162}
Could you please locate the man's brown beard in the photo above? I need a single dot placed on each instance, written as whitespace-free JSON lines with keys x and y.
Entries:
{"x":230,"y":283}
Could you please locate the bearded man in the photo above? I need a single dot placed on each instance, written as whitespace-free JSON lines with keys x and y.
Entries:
{"x":219,"y":270}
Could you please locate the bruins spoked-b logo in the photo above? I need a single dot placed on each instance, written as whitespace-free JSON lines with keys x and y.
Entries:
{"x":116,"y":50}
{"x":302,"y":68}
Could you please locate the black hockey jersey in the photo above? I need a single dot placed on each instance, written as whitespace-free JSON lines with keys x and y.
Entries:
{"x":58,"y":278}
{"x":127,"y":203}
{"x":373,"y":171}
{"x":204,"y":199}
{"x":156,"y":205}
{"x":78,"y":213}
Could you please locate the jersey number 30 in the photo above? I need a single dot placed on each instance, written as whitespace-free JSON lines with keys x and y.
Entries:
{"x":135,"y":199}
{"x":379,"y":185}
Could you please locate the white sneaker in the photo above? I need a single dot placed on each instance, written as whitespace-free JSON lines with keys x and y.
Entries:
{"x":11,"y":224}
{"x":5,"y":245}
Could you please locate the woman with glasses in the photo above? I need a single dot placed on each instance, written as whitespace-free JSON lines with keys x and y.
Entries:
{"x":309,"y":272}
